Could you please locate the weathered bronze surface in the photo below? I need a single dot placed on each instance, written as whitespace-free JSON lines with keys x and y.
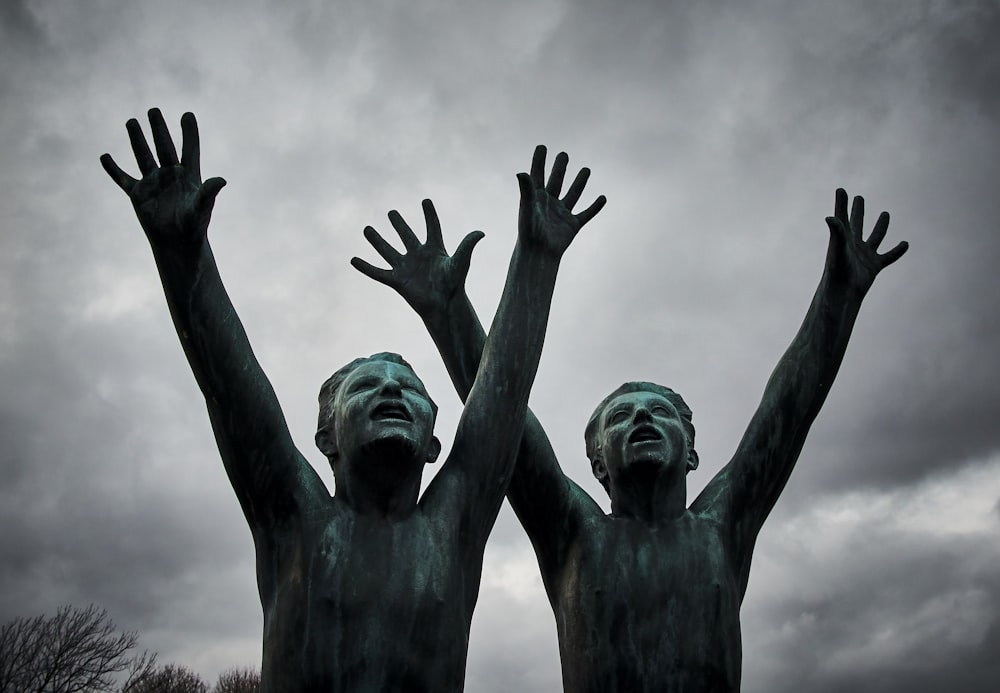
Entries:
{"x":647,"y":598}
{"x":372,"y":589}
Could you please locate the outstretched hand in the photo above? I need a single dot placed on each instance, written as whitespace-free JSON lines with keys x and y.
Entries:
{"x":544,"y":220}
{"x":425,"y":275}
{"x":174,"y":206}
{"x":851,"y":260}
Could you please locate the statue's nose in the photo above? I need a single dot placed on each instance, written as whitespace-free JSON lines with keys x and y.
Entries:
{"x":642,"y":415}
{"x":391,"y":386}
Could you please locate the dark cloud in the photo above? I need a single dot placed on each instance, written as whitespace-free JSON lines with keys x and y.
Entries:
{"x":928,"y":340}
{"x":962,"y":57}
{"x":879,"y":590}
{"x":77,"y":458}
{"x":20,"y":28}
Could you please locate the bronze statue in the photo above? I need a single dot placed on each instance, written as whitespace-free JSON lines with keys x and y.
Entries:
{"x":648,"y":597}
{"x":372,"y":589}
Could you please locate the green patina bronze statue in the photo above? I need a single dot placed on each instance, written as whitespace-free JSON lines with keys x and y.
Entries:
{"x":648,"y":598}
{"x":372,"y":589}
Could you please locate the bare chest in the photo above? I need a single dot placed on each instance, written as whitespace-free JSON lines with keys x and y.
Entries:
{"x":644,"y":609}
{"x":366,"y":573}
{"x":370,"y":606}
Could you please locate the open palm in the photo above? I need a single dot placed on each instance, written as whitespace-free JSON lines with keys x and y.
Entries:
{"x":174,"y":206}
{"x":544,"y":219}
{"x":424,"y":275}
{"x":853,"y":261}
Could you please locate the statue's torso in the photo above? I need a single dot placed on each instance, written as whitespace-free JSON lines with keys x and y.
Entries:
{"x":353,"y":604}
{"x":642,"y":609}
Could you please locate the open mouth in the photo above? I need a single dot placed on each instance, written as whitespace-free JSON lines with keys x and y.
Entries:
{"x":644,"y":434}
{"x":391,"y":411}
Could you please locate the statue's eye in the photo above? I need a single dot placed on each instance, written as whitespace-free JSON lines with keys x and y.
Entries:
{"x":619,"y":416}
{"x":416,"y":393}
{"x":361,"y":385}
{"x":661,"y":411}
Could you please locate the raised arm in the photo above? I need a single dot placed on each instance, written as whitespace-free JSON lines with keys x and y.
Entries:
{"x":174,"y":207}
{"x":486,"y":441}
{"x":549,"y":504}
{"x":743,"y":493}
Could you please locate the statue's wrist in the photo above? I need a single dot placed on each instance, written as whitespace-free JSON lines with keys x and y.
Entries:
{"x":844,"y":289}
{"x":178,"y":252}
{"x":435,"y":318}
{"x":535,"y":256}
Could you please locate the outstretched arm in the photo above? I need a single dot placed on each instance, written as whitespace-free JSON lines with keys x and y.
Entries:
{"x":485,"y":447}
{"x":549,"y":505}
{"x":744,"y":492}
{"x":174,"y":207}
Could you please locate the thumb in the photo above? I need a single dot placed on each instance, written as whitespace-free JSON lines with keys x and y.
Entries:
{"x":837,"y":229}
{"x":206,"y":196}
{"x":463,"y":254}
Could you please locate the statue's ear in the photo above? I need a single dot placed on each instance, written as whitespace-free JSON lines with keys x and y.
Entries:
{"x":692,"y":459}
{"x":600,"y":470}
{"x":326,"y":445}
{"x":435,"y":450}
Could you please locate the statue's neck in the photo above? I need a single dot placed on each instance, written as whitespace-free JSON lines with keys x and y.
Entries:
{"x":650,"y":496}
{"x":391,"y":493}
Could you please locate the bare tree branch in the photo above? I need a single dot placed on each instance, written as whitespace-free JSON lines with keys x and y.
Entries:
{"x":170,"y":678}
{"x":239,"y":680}
{"x":75,"y":651}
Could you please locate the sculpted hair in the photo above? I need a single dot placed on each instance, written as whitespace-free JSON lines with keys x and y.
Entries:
{"x":590,"y":434}
{"x":329,"y":389}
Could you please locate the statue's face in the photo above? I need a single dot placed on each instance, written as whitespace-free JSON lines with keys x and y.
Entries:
{"x":642,"y":428}
{"x":384,"y":406}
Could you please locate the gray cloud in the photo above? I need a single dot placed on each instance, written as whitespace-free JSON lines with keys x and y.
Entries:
{"x":843,"y":609}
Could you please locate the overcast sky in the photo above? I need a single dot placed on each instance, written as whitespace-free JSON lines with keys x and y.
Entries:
{"x":718,"y":134}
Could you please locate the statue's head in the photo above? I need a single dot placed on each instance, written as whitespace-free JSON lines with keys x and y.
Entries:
{"x":640,"y":423}
{"x":376,"y":403}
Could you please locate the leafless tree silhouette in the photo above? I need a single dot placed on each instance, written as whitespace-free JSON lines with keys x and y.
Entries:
{"x":170,"y":678}
{"x":240,"y":680}
{"x":75,"y":651}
